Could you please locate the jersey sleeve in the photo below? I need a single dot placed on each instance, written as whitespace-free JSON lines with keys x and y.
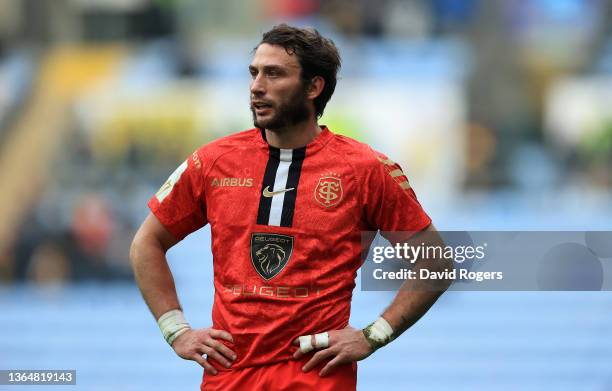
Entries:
{"x":390,"y":201}
{"x":180,"y":203}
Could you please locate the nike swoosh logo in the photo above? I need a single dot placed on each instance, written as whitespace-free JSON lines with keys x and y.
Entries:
{"x":268,"y":193}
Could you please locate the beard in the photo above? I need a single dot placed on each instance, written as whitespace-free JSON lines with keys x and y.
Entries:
{"x":287,"y":113}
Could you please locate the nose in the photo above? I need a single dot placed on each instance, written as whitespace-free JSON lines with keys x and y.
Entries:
{"x":257,"y":85}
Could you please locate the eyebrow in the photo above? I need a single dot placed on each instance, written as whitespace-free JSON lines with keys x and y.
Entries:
{"x":268,"y":68}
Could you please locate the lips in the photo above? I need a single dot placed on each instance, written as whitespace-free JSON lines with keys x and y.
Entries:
{"x":261,"y":108}
{"x":261,"y":105}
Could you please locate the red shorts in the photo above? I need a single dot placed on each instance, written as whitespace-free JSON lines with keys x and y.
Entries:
{"x":283,"y":376}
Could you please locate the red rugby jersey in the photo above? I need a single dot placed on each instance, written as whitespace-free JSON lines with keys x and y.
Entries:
{"x":286,"y":231}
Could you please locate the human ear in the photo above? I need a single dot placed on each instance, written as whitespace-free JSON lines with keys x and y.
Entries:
{"x":316,"y":86}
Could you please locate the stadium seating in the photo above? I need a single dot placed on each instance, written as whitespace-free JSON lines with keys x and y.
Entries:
{"x":471,"y":340}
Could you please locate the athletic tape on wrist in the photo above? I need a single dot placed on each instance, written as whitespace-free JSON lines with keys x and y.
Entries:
{"x":172,"y":324}
{"x":378,"y":333}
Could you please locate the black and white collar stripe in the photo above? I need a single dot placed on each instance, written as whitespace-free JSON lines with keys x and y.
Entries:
{"x":281,"y":178}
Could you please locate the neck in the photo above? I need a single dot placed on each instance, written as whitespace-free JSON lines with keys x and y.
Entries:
{"x":295,"y":136}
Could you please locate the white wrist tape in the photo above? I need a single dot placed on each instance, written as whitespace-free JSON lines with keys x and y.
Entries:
{"x":378,"y":333}
{"x":322,"y":340}
{"x":172,"y":324}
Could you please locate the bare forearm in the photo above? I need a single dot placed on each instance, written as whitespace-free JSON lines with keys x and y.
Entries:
{"x":153,"y":276}
{"x":416,"y":296}
{"x":407,"y":308}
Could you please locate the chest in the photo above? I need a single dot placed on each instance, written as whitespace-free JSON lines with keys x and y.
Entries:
{"x":312,"y":194}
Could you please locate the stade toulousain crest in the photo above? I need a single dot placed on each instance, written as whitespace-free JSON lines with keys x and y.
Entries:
{"x":329,"y":190}
{"x":270,"y":253}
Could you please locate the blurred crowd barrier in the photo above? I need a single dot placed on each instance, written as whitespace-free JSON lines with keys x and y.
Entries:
{"x":485,"y":104}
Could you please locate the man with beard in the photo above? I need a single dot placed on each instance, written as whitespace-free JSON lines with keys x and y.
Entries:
{"x":287,"y":202}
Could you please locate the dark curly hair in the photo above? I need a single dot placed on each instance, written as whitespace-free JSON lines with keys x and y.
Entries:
{"x":317,"y":55}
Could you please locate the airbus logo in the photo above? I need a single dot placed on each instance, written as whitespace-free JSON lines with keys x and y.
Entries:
{"x":232,"y":182}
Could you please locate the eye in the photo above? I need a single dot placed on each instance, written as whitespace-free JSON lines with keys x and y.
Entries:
{"x":253,"y":73}
{"x":273,"y":73}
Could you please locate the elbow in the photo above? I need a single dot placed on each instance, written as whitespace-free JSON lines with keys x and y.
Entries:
{"x":145,"y":248}
{"x":448,"y":265}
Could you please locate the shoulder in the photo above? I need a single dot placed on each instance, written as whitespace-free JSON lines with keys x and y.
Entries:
{"x":208,"y":153}
{"x":230,"y":142}
{"x":358,"y":154}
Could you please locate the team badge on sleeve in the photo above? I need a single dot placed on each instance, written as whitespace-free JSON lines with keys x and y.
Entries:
{"x":270,"y":253}
{"x":169,"y":185}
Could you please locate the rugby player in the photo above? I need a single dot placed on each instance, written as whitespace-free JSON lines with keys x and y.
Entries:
{"x":287,"y":202}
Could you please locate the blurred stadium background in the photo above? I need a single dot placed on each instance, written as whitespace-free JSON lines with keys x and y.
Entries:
{"x":499,"y":111}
